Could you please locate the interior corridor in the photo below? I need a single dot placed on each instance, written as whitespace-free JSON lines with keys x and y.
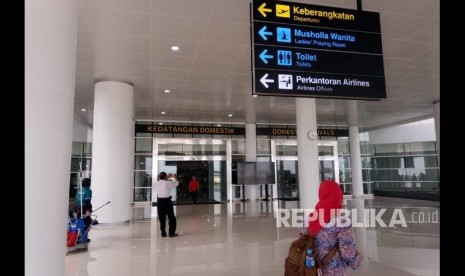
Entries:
{"x":242,"y":239}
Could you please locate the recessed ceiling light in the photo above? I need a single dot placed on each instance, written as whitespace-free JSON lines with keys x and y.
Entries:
{"x":160,"y":123}
{"x":218,"y":125}
{"x":83,"y":109}
{"x":163,"y":113}
{"x":167,"y":91}
{"x":229,"y":115}
{"x":255,"y":95}
{"x":175,"y":48}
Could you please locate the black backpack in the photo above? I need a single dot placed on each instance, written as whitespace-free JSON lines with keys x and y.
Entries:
{"x":294,"y":264}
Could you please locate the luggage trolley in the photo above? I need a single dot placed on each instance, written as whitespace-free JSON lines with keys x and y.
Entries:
{"x":77,"y":237}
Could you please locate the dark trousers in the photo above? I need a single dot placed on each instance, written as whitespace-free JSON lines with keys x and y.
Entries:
{"x":165,"y":208}
{"x":194,"y":197}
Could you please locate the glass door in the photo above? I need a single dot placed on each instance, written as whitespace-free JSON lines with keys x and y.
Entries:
{"x":287,"y":179}
{"x":187,"y":158}
{"x":327,"y":157}
{"x":287,"y":175}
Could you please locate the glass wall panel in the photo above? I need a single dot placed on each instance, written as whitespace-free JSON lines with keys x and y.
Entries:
{"x":347,"y":188}
{"x":142,"y":194}
{"x":142,"y":178}
{"x":187,"y":150}
{"x":388,"y":162}
{"x":235,"y":159}
{"x":73,"y":186}
{"x":143,"y":162}
{"x":220,"y":180}
{"x":414,"y":170}
{"x":263,"y":146}
{"x":366,"y":162}
{"x":263,"y":158}
{"x":389,"y":149}
{"x":86,"y":164}
{"x":175,"y":149}
{"x":420,"y":148}
{"x":138,"y":134}
{"x":76,"y":166}
{"x":217,"y":150}
{"x":142,"y":185}
{"x":238,"y":146}
{"x":388,"y":175}
{"x":327,"y":169}
{"x":87,"y":149}
{"x":81,"y":167}
{"x":192,"y":149}
{"x":162,"y":149}
{"x":143,"y":145}
{"x":287,"y":179}
{"x":76,"y":148}
{"x":365,"y":174}
{"x":325,"y":150}
{"x":429,"y":161}
{"x":286,"y":150}
{"x":343,"y":147}
{"x":366,"y":148}
{"x":178,"y":135}
{"x":162,"y":135}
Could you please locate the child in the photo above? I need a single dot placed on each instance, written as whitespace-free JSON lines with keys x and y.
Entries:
{"x":75,"y":226}
{"x":87,"y":220}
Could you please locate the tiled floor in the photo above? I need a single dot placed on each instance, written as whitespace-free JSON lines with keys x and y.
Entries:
{"x":242,"y":239}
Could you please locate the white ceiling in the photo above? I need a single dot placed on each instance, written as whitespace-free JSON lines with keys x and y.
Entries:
{"x":210,"y":76}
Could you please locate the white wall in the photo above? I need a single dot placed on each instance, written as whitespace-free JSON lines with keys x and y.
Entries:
{"x":82,"y":132}
{"x":421,"y":131}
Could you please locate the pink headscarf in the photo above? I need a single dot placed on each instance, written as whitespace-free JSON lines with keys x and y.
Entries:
{"x":330,"y":197}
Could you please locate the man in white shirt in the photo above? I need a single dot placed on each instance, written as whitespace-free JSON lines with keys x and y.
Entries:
{"x":165,"y":206}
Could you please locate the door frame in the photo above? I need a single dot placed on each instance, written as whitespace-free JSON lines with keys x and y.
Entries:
{"x":190,"y":141}
{"x":275,"y":158}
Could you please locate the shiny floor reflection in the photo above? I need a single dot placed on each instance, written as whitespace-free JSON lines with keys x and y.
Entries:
{"x":242,"y":239}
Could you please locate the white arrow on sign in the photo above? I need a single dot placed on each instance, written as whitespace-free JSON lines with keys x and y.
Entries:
{"x":264,"y":80}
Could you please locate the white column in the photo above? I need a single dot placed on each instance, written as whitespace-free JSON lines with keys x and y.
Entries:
{"x":251,"y":191}
{"x":113,"y":151}
{"x":436,"y":109}
{"x":50,"y":61}
{"x":229,"y":196}
{"x":309,"y":180}
{"x":360,"y":232}
{"x":354,"y":144}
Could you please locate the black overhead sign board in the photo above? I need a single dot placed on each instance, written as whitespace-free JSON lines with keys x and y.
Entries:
{"x":284,"y":131}
{"x":328,"y":132}
{"x":177,"y":129}
{"x":316,"y":51}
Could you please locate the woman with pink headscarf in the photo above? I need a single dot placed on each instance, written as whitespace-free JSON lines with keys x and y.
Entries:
{"x":330,"y":230}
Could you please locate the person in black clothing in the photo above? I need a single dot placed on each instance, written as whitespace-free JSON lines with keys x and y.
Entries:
{"x":87,"y":211}
{"x":165,"y":205}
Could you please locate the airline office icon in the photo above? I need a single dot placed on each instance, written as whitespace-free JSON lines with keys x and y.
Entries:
{"x":285,"y":82}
